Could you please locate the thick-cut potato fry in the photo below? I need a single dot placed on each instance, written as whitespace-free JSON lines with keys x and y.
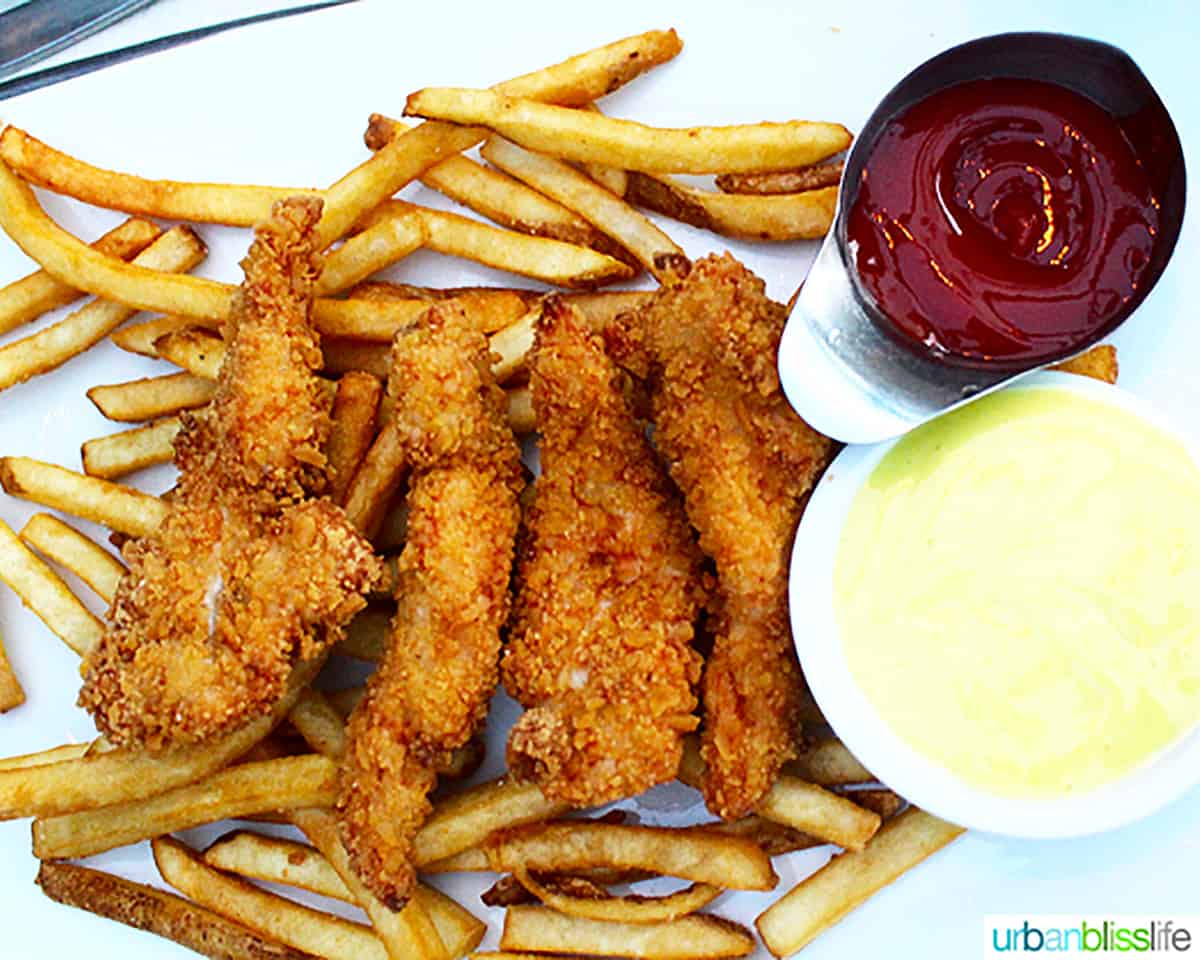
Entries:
{"x":550,"y":261}
{"x":345,"y":700}
{"x":278,"y":860}
{"x":12,"y":695}
{"x":321,"y":726}
{"x":579,"y":192}
{"x":1099,"y":363}
{"x":694,"y":937}
{"x":321,"y":934}
{"x":600,"y":309}
{"x":235,"y":205}
{"x":269,"y":786}
{"x":824,"y":898}
{"x":466,"y":861}
{"x":406,"y":933}
{"x":814,"y":810}
{"x":43,"y":592}
{"x":30,"y":297}
{"x":626,"y":909}
{"x":177,"y":250}
{"x":775,"y":839}
{"x":690,"y":854}
{"x":886,"y":803}
{"x":120,"y":454}
{"x":487,"y":308}
{"x":120,"y":776}
{"x":119,"y":508}
{"x":342,"y":356}
{"x":140,"y":337}
{"x":156,"y":911}
{"x":386,"y":242}
{"x":69,"y":548}
{"x":465,"y":820}
{"x":355,"y":407}
{"x":520,"y":410}
{"x":137,"y":401}
{"x":196,"y":350}
{"x":829,"y":764}
{"x":573,"y":82}
{"x":812,"y":177}
{"x":367,"y":635}
{"x":68,"y":751}
{"x":792,"y":216}
{"x":377,"y":479}
{"x":511,"y":346}
{"x":586,"y":136}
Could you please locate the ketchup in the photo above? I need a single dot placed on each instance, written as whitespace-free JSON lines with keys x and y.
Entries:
{"x":1003,"y":222}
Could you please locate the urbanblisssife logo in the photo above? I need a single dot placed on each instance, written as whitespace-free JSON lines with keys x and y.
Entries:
{"x":1072,"y":935}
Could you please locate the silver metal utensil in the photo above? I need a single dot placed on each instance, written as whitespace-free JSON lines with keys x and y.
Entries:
{"x":39,"y":28}
{"x":78,"y":68}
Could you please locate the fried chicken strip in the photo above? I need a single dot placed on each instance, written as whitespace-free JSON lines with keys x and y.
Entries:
{"x":249,"y":573}
{"x":432,"y":689}
{"x":745,"y":462}
{"x":609,"y":588}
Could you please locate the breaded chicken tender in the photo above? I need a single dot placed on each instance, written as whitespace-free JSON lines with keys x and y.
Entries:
{"x":250,"y":571}
{"x":707,"y":344}
{"x":609,"y":588}
{"x":431,"y":692}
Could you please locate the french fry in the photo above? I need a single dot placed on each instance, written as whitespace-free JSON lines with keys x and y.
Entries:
{"x":378,"y":476}
{"x":691,"y":854}
{"x":600,"y":309}
{"x":196,"y":350}
{"x":355,"y":408}
{"x":541,"y":930}
{"x":235,"y":205}
{"x":66,"y":546}
{"x":847,"y":881}
{"x":321,"y":726}
{"x":511,"y":346}
{"x":270,"y":786}
{"x":278,"y":860}
{"x":343,"y":356}
{"x":119,"y":508}
{"x":520,"y":410}
{"x":579,"y":192}
{"x":585,"y":136}
{"x":829,"y":764}
{"x":775,"y":839}
{"x":120,"y":454}
{"x":550,"y":261}
{"x":1099,"y":363}
{"x":140,"y":337}
{"x":303,"y":928}
{"x":574,"y":82}
{"x":43,"y":592}
{"x":386,"y":242}
{"x":156,"y":911}
{"x":466,"y":861}
{"x":345,"y":700}
{"x":465,"y":820}
{"x":627,"y":909}
{"x":12,"y":695}
{"x":779,"y":217}
{"x":814,"y":810}
{"x":367,"y":635}
{"x":112,"y":777}
{"x":886,"y":803}
{"x":136,"y":401}
{"x":30,"y":297}
{"x":179,"y":249}
{"x":68,"y":751}
{"x":488,"y":308}
{"x":783,"y":181}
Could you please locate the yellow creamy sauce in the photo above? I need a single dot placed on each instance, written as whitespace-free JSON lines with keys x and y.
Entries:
{"x":1018,"y":592}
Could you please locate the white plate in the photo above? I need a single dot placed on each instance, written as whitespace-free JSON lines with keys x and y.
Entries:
{"x":286,"y":103}
{"x":913,"y":775}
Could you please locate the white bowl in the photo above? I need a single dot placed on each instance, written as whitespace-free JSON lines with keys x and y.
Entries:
{"x":1139,"y":793}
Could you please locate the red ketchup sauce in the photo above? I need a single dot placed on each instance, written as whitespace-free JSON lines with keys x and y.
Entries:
{"x":1002,"y":222}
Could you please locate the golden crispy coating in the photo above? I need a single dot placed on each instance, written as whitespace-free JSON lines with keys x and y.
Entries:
{"x":431,"y":692}
{"x":745,"y":463}
{"x":245,"y":576}
{"x":609,"y":588}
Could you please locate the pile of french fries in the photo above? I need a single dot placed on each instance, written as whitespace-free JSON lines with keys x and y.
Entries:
{"x":563,"y":188}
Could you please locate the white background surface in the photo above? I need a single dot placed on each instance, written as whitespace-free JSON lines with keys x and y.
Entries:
{"x":287,"y":103}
